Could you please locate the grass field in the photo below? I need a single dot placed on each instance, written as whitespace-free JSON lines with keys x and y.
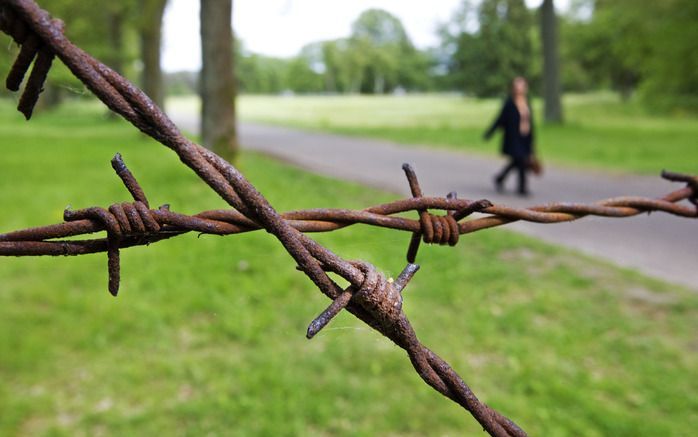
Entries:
{"x":207,"y":335}
{"x":600,"y":131}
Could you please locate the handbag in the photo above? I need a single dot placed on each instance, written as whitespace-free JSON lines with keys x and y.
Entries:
{"x":535,"y":165}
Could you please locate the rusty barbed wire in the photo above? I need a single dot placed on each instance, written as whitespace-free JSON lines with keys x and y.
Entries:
{"x":371,"y":297}
{"x":131,"y":224}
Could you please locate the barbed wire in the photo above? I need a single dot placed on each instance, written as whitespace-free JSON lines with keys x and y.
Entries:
{"x":134,"y":224}
{"x":371,"y":297}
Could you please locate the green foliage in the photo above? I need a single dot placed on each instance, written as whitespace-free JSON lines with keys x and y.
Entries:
{"x":302,"y":78}
{"x":611,"y":46}
{"x":257,"y":73}
{"x":650,"y":48}
{"x":8,"y":52}
{"x":207,"y":335}
{"x":378,"y":57}
{"x":671,"y":70}
{"x":106,"y":29}
{"x":389,"y":58}
{"x":343,"y":66}
{"x":490,"y":44}
{"x":600,"y":131}
{"x":604,"y":44}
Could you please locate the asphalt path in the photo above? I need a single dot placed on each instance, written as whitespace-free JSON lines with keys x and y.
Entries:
{"x":658,"y":245}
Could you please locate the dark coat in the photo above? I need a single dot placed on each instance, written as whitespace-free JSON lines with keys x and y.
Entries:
{"x":513,"y":143}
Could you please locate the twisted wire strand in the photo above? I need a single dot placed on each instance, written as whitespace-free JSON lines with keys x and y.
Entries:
{"x":229,"y":222}
{"x":370,"y":297}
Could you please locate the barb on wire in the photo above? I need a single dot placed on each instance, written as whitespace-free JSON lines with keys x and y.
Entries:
{"x":371,"y":297}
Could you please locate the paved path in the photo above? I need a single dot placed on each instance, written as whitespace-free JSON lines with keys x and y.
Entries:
{"x":658,"y":245}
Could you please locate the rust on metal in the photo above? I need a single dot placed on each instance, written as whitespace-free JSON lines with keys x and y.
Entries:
{"x":370,"y":296}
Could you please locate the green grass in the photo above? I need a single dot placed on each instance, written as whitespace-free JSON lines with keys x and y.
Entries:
{"x":600,"y":131}
{"x":207,"y":335}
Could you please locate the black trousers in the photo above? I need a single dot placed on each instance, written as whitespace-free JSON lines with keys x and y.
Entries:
{"x":521,"y":166}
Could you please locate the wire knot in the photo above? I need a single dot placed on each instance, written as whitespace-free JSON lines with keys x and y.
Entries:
{"x":439,"y":229}
{"x":378,"y":296}
{"x":120,"y":220}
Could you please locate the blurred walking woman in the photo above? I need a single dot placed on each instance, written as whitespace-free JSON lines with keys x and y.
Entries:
{"x":516,"y":120}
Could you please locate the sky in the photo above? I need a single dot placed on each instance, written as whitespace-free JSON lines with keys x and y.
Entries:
{"x":281,"y":27}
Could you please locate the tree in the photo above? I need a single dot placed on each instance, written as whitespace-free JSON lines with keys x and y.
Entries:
{"x":551,"y":64}
{"x":488,"y":45}
{"x":304,"y":73}
{"x":650,"y":48}
{"x":387,"y":50}
{"x":331,"y":58}
{"x":217,"y":81}
{"x":574,"y":75}
{"x":377,"y":57}
{"x":259,"y":74}
{"x":106,"y":28}
{"x":610,"y":48}
{"x":116,"y":16}
{"x":101,"y":27}
{"x":344,"y":63}
{"x":671,"y":72}
{"x":150,"y":31}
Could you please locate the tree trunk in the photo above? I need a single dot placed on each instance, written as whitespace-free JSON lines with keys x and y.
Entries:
{"x":217,"y":81}
{"x":115,"y":31}
{"x":379,"y":84}
{"x":151,"y":36}
{"x":115,"y":28}
{"x":551,"y":64}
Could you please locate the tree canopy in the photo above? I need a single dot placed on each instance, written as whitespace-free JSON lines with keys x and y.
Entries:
{"x":652,"y":49}
{"x":646,"y":52}
{"x":487,"y":45}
